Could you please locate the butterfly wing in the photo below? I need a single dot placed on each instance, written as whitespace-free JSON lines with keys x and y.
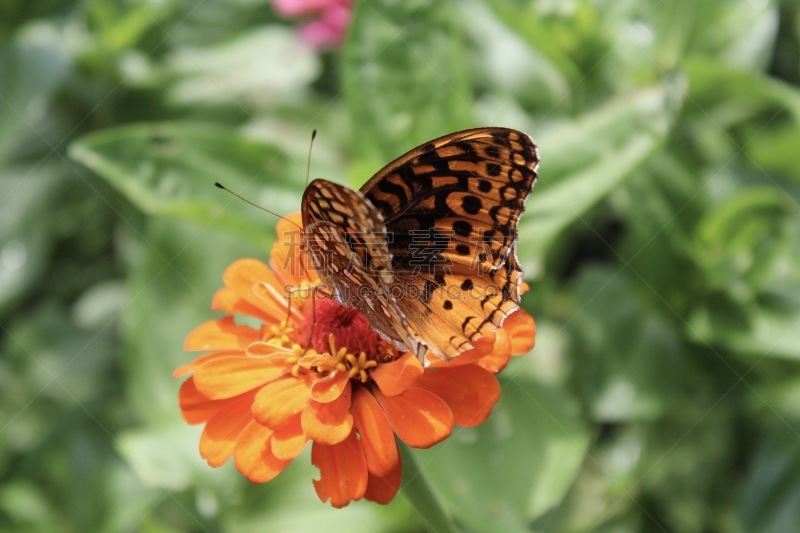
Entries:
{"x":450,"y":208}
{"x":345,"y":237}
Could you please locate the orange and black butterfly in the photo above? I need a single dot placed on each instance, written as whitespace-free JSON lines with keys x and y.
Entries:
{"x":426,"y":250}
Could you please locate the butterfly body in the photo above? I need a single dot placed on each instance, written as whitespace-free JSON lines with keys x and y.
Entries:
{"x":426,"y":250}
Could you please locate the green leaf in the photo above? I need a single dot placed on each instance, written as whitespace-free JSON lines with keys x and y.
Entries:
{"x":157,"y":464}
{"x":548,"y":36}
{"x":742,"y":37}
{"x":23,"y":503}
{"x":766,"y":329}
{"x":748,"y":249}
{"x":584,"y":161}
{"x":657,"y":242}
{"x":739,"y":243}
{"x":775,"y":150}
{"x":514,"y":76}
{"x":24,"y":245}
{"x":31,"y":67}
{"x":404,"y":77}
{"x":262,"y":67}
{"x":725,"y":94}
{"x":513,"y":467}
{"x":170,"y":169}
{"x":176,"y":268}
{"x":631,"y":359}
{"x":118,"y":27}
{"x":770,"y":501}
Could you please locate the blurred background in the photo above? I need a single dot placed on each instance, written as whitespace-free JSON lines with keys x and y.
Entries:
{"x":662,"y":246}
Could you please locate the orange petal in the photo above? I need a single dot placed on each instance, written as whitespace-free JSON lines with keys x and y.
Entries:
{"x":419,"y":417}
{"x":221,"y":334}
{"x":470,"y":391}
{"x":522,"y":330}
{"x":196,"y":408}
{"x":383,"y":489}
{"x":330,"y":388}
{"x":278,"y":355}
{"x":229,"y":301}
{"x":253,"y":454}
{"x":244,"y":275}
{"x":200,"y":361}
{"x":343,"y":471}
{"x":287,"y":229}
{"x":222,"y":431}
{"x":328,"y":423}
{"x":275,"y":295}
{"x":279,"y":400}
{"x":396,"y":376}
{"x":377,"y":438}
{"x":498,"y":358}
{"x":289,"y":221}
{"x":292,"y":265}
{"x":289,"y":440}
{"x":224,"y":377}
{"x":286,"y":259}
{"x":286,"y":256}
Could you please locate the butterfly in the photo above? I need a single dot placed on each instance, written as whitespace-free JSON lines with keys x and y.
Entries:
{"x":426,"y":249}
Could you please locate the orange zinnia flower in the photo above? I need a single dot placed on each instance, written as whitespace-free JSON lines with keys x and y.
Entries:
{"x":317,"y":372}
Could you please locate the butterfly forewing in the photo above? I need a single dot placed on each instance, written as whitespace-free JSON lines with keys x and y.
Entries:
{"x":451,"y":208}
{"x":465,"y":190}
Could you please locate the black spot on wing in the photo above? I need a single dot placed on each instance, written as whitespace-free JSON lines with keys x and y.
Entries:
{"x":471,"y":205}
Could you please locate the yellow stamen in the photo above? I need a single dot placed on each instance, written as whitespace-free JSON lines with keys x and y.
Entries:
{"x":300,"y":360}
{"x":278,"y":334}
{"x":338,"y":359}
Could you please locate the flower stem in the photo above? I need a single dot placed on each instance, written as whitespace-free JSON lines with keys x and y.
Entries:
{"x":419,"y":493}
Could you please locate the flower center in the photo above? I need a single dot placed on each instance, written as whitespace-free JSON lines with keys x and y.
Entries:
{"x":334,"y":339}
{"x":336,"y":360}
{"x":350,"y":328}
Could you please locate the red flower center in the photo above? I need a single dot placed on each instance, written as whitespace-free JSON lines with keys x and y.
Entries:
{"x":349,"y":327}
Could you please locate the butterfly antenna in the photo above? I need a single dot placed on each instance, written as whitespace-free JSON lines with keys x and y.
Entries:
{"x":308,"y":161}
{"x":308,"y":173}
{"x":245,"y":200}
{"x":313,"y":317}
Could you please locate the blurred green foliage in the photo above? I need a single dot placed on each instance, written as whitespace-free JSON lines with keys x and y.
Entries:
{"x":662,"y":245}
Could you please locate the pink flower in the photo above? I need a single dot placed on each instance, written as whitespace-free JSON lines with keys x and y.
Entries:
{"x":329,"y":19}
